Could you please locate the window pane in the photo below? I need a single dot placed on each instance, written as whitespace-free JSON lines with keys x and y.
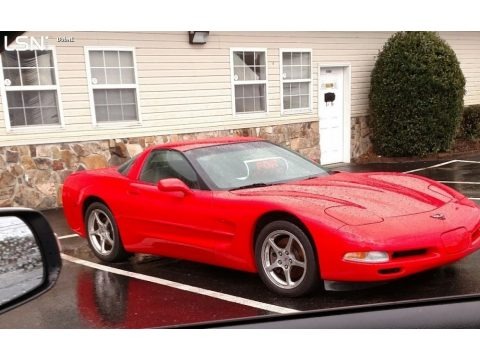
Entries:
{"x":287,"y":70}
{"x":238,"y":58}
{"x":112,"y":59}
{"x":113,"y":76}
{"x":287,"y":58}
{"x":306,"y":58}
{"x":48,"y":98}
{"x":128,"y":96}
{"x":286,"y":102}
{"x":261,"y":73}
{"x":113,"y":97}
{"x":27,"y":58}
{"x":101,"y":113}
{"x":305,"y":88}
{"x":129,"y":112}
{"x":14,"y":99}
{"x":248,"y":91}
{"x":295,"y":89}
{"x":29,"y":76}
{"x":249,"y":58}
{"x":239,"y":73}
{"x":126,"y":59}
{"x":50,"y":115}
{"x":10,"y":59}
{"x":99,"y":75}
{"x":17,"y":117}
{"x":260,"y":58}
{"x":296,"y":72}
{"x":13,"y":75}
{"x":47,"y":76}
{"x":239,"y":107}
{"x":33,"y":116}
{"x":305,"y":72}
{"x":239,"y":93}
{"x":296,"y":58}
{"x":249,"y":105}
{"x":259,"y":103}
{"x":304,"y":101}
{"x":31,"y":98}
{"x":295,"y":102}
{"x":115,"y":113}
{"x":250,"y":74}
{"x":96,"y":59}
{"x":286,"y":89}
{"x":100,"y":97}
{"x":128,"y":76}
{"x":45,"y":58}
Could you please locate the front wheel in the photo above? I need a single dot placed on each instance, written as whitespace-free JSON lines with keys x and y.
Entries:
{"x":102,"y":234}
{"x":286,"y":260}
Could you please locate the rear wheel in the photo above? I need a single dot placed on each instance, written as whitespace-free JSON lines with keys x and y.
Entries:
{"x":102,"y":234}
{"x":286,"y":259}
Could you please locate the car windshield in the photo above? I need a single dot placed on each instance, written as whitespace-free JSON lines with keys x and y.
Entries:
{"x":249,"y":164}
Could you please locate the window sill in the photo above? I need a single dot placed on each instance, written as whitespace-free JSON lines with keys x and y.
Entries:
{"x":252,"y":114}
{"x":117,"y":124}
{"x":35,"y":129}
{"x":297,"y":112}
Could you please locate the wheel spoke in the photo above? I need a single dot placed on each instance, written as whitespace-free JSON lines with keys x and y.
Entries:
{"x":273,"y":245}
{"x":95,"y":232}
{"x":97,"y":219}
{"x":289,"y":244}
{"x":272,"y":266}
{"x":102,"y":244}
{"x":288,"y":278}
{"x":298,"y":263}
{"x":108,"y":238}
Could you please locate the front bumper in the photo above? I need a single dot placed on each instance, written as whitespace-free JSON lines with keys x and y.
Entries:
{"x":414,"y":243}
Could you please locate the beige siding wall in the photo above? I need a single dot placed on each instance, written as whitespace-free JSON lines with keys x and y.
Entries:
{"x":185,"y":88}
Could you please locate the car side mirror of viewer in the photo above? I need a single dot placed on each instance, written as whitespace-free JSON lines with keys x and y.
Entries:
{"x":30,"y":260}
{"x":174,"y":185}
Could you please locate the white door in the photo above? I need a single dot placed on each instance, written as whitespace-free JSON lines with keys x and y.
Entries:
{"x":331,"y":115}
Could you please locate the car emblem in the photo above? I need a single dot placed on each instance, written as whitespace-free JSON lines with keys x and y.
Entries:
{"x":438,"y":216}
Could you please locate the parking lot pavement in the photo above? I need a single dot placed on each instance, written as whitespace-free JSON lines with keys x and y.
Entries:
{"x":149,"y":291}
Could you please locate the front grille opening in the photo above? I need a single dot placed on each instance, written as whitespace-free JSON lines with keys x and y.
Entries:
{"x":389,"y":271}
{"x":408,"y":253}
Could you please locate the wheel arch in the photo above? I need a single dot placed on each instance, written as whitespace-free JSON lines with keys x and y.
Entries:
{"x":90,"y":199}
{"x":286,"y":216}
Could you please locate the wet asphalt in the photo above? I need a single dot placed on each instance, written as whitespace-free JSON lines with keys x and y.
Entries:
{"x":85,"y":297}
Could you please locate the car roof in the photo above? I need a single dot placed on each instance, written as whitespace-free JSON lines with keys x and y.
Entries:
{"x":199,"y":143}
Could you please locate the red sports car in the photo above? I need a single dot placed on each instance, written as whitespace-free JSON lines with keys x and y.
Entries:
{"x":247,"y":204}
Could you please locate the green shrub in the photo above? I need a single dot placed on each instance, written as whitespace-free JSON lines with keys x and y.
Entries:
{"x":470,"y":125}
{"x":416,"y":95}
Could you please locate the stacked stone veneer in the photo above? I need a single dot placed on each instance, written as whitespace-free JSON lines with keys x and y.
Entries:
{"x":360,"y":135}
{"x":33,"y":175}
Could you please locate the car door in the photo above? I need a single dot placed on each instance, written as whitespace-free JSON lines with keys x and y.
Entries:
{"x":172,"y":223}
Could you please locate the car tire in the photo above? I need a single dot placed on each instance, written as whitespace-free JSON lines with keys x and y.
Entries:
{"x":285,"y":259}
{"x":102,"y":234}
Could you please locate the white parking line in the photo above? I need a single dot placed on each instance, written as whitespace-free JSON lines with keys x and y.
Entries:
{"x":184,"y":287}
{"x":474,"y":199}
{"x":67,"y":236}
{"x":460,"y":182}
{"x":429,"y":167}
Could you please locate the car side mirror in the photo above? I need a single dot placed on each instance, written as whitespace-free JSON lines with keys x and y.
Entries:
{"x":174,"y":185}
{"x":29,"y":256}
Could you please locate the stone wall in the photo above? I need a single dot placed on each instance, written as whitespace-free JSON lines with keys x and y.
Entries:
{"x":360,"y":131}
{"x":33,"y":175}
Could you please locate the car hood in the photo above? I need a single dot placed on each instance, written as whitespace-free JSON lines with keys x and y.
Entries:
{"x":378,"y":195}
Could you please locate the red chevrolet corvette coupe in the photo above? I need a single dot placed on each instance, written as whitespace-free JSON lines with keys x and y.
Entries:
{"x":247,"y":204}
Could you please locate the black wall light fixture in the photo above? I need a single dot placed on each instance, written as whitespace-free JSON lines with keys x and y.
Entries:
{"x":198,"y":37}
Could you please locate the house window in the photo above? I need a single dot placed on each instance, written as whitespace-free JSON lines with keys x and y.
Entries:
{"x":249,"y":79}
{"x":113,"y":85}
{"x":296,"y":78}
{"x":30,"y":87}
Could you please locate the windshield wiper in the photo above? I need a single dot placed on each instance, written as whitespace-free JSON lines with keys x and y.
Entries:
{"x":254,"y":185}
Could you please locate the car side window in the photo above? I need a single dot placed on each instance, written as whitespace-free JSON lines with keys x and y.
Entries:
{"x":164,"y":164}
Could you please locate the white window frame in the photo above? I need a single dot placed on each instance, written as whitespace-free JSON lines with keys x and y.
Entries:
{"x":282,"y":81}
{"x":249,"y":82}
{"x":91,"y":87}
{"x":32,"y":128}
